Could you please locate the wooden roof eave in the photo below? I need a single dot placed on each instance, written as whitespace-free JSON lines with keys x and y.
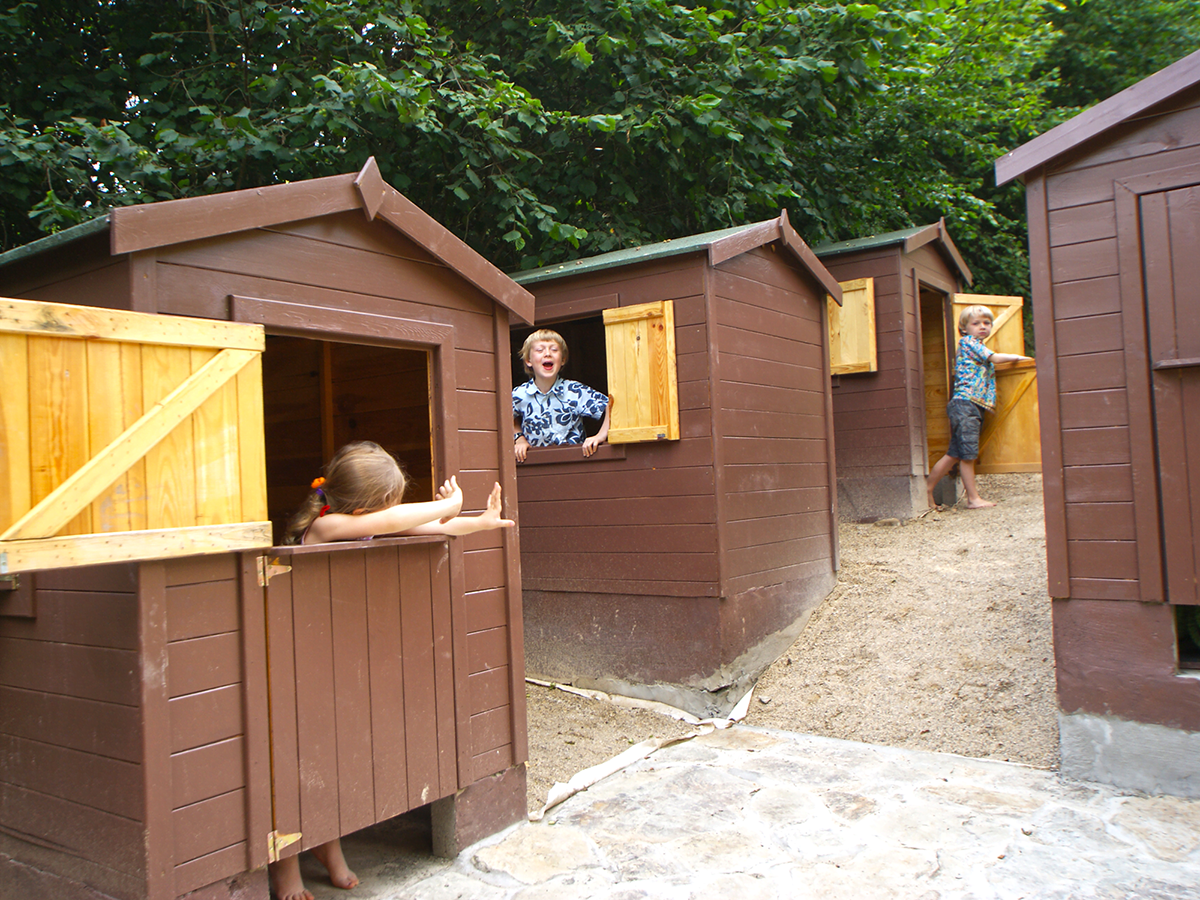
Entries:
{"x":151,"y":225}
{"x":1129,"y":103}
{"x":937,"y":232}
{"x":763,"y":233}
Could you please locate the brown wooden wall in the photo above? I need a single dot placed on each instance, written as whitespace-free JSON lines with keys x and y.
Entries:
{"x":70,"y":725}
{"x":775,"y":479}
{"x":1097,"y":432}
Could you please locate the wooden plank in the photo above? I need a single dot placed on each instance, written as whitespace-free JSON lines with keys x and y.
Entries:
{"x":486,"y":609}
{"x":1094,"y":409}
{"x":1104,"y":559}
{"x":490,"y":730}
{"x":206,"y":870}
{"x":103,"y":783}
{"x":1091,"y":297}
{"x":104,"y":729}
{"x":676,"y":567}
{"x":81,"y":831}
{"x":316,"y":718}
{"x":387,"y":685}
{"x":609,"y":539}
{"x":1095,"y":446}
{"x":63,"y":320}
{"x":96,"y":549}
{"x":206,"y":772}
{"x":156,"y":731}
{"x":281,"y":624}
{"x":57,"y":422}
{"x":91,"y":673}
{"x":1101,"y":521}
{"x":489,"y":689}
{"x":420,"y":699}
{"x":1092,"y":334}
{"x":1098,"y":484}
{"x":203,"y":663}
{"x":205,"y":718}
{"x":15,"y":450}
{"x":94,"y":620}
{"x":352,"y":691}
{"x":196,"y":610}
{"x":492,"y":761}
{"x":210,"y":825}
{"x":448,"y":581}
{"x":257,"y":712}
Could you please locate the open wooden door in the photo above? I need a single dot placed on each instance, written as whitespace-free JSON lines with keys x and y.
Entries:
{"x":1011,"y":438}
{"x":127,"y":436}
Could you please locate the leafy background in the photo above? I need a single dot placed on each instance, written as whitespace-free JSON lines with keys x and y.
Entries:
{"x":541,"y":131}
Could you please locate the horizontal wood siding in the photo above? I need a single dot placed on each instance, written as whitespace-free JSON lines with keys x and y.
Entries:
{"x":1094,"y":397}
{"x":772,"y":431}
{"x":873,"y":415}
{"x":645,"y":523}
{"x":70,"y":752}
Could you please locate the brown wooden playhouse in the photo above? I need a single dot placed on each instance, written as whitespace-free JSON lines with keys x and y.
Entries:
{"x":892,"y":346}
{"x":1113,"y":200}
{"x":684,"y":556}
{"x":176,"y":375}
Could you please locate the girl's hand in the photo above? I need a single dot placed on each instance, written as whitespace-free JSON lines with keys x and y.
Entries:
{"x":490,"y":517}
{"x":452,"y":492}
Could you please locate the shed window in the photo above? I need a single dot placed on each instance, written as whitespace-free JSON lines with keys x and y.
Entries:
{"x":628,"y":353}
{"x":852,"y":329}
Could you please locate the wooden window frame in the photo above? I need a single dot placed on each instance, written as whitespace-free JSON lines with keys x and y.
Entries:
{"x":853,"y":347}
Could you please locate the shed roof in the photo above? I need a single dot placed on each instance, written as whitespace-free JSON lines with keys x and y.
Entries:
{"x":1117,"y":109}
{"x":721,"y":246}
{"x":910,"y":238}
{"x":151,"y":225}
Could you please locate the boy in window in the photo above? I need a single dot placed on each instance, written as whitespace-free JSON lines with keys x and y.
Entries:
{"x":548,"y":410}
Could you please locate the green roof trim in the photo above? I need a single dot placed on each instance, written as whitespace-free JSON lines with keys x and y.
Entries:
{"x":58,"y":239}
{"x":616,"y":258}
{"x":866,"y":243}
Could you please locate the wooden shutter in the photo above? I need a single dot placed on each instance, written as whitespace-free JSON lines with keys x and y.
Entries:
{"x":1008,"y":328}
{"x":852,"y":328}
{"x":641,"y":372}
{"x":127,"y":436}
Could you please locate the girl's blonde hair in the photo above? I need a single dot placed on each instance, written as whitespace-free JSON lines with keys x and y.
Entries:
{"x":543,"y":334}
{"x":361,"y":476}
{"x":973,"y":312}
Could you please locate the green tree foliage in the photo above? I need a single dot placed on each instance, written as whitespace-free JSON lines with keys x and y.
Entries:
{"x":1104,"y":46}
{"x":541,"y":130}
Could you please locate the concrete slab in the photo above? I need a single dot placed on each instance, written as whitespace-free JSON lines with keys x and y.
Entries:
{"x":751,"y":813}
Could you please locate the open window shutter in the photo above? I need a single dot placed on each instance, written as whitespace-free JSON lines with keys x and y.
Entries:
{"x":131,"y":436}
{"x":852,"y":329}
{"x":641,"y":373}
{"x":1008,"y":329}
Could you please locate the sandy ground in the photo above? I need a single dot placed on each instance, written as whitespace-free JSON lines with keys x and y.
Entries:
{"x":937,"y":637}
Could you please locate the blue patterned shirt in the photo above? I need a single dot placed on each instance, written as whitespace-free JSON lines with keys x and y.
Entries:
{"x":974,"y":373}
{"x":556,"y":417}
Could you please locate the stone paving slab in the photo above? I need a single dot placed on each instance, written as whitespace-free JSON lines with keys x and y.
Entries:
{"x":756,"y":814}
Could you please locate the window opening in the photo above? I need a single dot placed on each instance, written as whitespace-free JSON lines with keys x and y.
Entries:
{"x":319,"y":395}
{"x":1187,"y":632}
{"x":586,"y":356}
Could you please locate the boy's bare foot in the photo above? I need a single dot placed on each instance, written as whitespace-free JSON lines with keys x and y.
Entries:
{"x":330,"y":856}
{"x":979,"y":504}
{"x":286,"y":883}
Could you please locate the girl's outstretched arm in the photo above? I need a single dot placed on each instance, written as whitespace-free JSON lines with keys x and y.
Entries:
{"x":402,"y":518}
{"x":459,"y":525}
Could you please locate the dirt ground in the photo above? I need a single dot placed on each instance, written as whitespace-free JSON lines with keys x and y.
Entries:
{"x":936,"y":637}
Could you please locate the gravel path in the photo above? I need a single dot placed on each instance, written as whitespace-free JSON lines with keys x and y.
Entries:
{"x":937,"y":637}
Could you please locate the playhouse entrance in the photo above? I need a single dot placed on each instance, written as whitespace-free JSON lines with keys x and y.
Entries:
{"x":359,"y":634}
{"x":936,"y":358}
{"x":319,"y":395}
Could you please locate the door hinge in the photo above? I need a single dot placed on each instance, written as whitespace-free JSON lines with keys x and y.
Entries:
{"x":276,"y":842}
{"x":268,"y":569}
{"x":9,"y":583}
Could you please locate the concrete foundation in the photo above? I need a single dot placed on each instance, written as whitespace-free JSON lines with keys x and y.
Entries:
{"x":889,"y":497}
{"x":1133,"y":755}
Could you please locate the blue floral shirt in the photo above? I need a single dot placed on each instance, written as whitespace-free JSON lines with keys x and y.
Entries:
{"x":974,"y":373}
{"x":556,"y":417}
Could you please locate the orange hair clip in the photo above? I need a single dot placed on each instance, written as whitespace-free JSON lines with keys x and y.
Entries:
{"x":317,"y":482}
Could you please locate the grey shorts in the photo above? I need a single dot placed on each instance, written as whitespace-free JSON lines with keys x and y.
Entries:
{"x":966,"y":421}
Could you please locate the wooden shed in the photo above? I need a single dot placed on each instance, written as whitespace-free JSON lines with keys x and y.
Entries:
{"x":205,"y":702}
{"x":1113,"y":199}
{"x":686,"y":554}
{"x":892,"y":346}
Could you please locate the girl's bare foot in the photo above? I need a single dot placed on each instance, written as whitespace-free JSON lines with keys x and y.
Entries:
{"x":979,"y":504}
{"x":286,"y":883}
{"x":330,"y":855}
